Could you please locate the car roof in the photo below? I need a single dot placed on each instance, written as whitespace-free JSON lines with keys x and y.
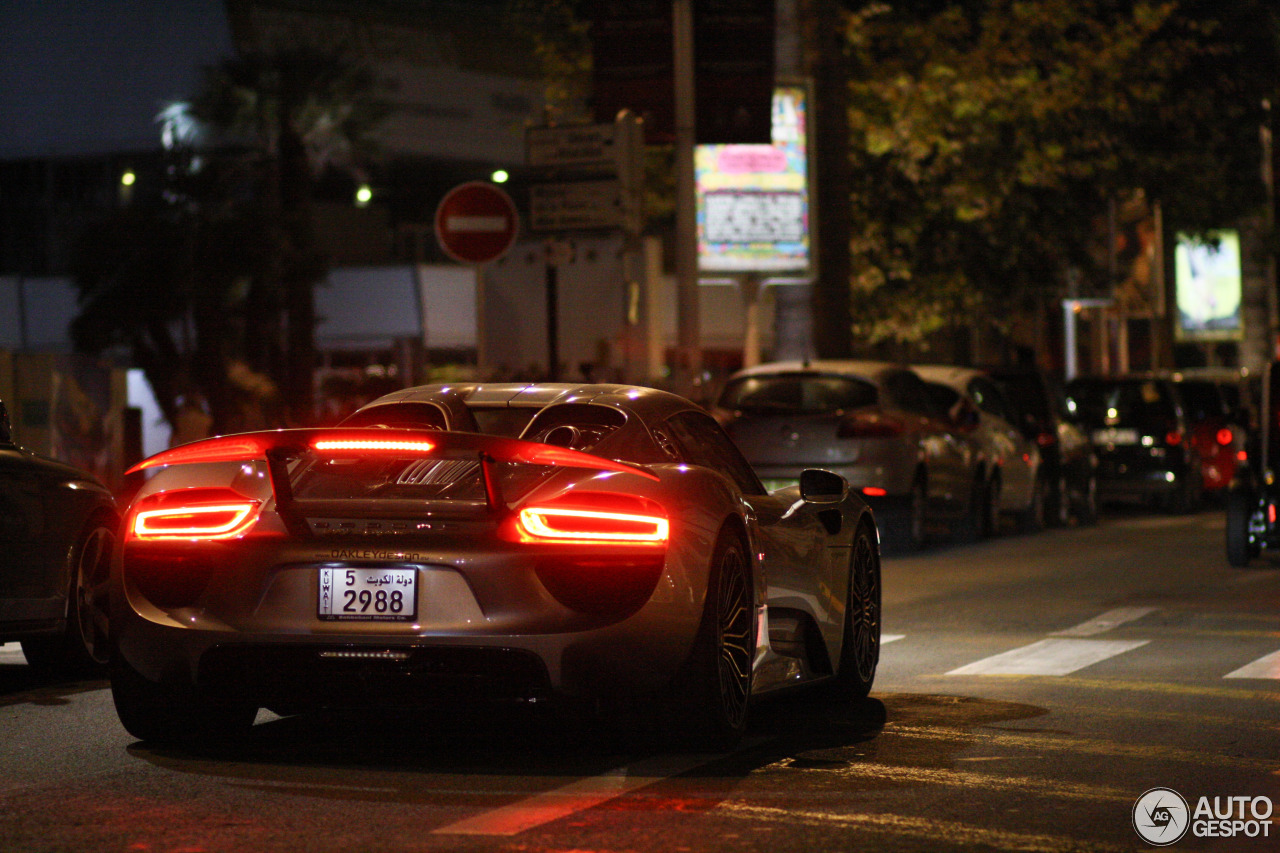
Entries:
{"x":946,"y":373}
{"x":650,"y":403}
{"x":864,"y":369}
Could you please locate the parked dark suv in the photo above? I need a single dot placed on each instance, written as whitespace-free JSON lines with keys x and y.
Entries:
{"x":1069,"y":462}
{"x":1144,"y":443}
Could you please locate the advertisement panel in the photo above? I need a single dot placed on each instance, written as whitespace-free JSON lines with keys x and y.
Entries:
{"x":753,"y":200}
{"x":1208,"y":287}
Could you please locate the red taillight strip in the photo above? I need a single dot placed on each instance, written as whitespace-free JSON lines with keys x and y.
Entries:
{"x":582,"y":525}
{"x":206,"y":521}
{"x":373,"y":445}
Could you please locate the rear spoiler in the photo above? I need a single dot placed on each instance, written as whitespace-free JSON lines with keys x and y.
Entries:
{"x":279,"y":447}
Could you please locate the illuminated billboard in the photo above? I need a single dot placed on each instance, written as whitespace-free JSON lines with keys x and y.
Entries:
{"x":1207,"y":284}
{"x":753,"y":200}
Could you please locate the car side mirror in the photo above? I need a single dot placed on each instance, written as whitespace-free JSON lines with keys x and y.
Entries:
{"x":822,"y":487}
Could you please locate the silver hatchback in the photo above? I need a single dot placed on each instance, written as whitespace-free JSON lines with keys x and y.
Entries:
{"x":871,"y":422}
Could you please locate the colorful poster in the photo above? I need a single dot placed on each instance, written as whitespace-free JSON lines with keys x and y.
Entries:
{"x":1208,"y":286}
{"x":753,"y":200}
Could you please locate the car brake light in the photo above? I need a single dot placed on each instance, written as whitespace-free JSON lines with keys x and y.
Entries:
{"x":1225,"y":437}
{"x":1173,"y":438}
{"x":372,"y":445}
{"x":542,"y":523}
{"x":875,"y":491}
{"x":197,"y":519}
{"x":869,"y":425}
{"x":1242,"y":456}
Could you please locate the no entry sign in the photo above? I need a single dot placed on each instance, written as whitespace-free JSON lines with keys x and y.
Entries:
{"x":476,"y":223}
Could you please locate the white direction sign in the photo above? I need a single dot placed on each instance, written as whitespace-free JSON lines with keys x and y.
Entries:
{"x":570,"y":145}
{"x":575,"y":205}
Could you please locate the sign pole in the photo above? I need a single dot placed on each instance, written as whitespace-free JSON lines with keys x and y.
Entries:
{"x":553,"y":321}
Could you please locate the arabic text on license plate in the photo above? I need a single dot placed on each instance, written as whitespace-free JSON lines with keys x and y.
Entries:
{"x":368,"y":594}
{"x":1115,"y":435}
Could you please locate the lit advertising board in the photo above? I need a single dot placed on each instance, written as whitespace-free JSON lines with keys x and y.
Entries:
{"x":1207,"y":284}
{"x":753,"y":200}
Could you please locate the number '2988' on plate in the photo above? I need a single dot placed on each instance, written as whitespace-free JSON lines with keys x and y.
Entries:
{"x":368,"y":594}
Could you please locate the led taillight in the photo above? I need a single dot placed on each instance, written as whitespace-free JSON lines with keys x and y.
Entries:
{"x":372,"y":445}
{"x":875,"y":491}
{"x":1173,"y":438}
{"x":560,"y":524}
{"x":869,"y":425}
{"x":1225,"y":437}
{"x":195,"y":521}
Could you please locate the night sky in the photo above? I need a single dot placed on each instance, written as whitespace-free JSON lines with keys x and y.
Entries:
{"x":89,"y":76}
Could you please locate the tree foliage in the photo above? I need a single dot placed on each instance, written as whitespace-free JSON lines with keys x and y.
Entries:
{"x":209,"y":285}
{"x":989,"y":136}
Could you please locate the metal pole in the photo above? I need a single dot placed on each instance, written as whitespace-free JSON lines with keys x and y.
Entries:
{"x":553,"y":322}
{"x":689,"y":333}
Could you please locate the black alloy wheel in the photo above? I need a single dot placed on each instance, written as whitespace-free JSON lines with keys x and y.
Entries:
{"x":860,"y":645}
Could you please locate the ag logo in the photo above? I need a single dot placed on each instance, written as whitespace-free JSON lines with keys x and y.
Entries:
{"x":1161,"y":816}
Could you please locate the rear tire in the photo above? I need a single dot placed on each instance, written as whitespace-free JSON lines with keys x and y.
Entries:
{"x":860,"y":640}
{"x":905,"y":527}
{"x":1239,"y":511}
{"x":1032,"y":517}
{"x":715,"y":689}
{"x":82,"y":649}
{"x":161,"y":714}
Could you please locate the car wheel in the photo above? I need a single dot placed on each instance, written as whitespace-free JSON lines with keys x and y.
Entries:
{"x":719,"y":675}
{"x":906,"y":524}
{"x":156,"y":712}
{"x":1032,"y":517}
{"x":83,"y":648}
{"x":1057,"y":504}
{"x":1087,"y":509}
{"x":860,"y":642}
{"x":1240,"y":550}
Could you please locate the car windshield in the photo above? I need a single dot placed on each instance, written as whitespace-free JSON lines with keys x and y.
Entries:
{"x":1141,"y":404}
{"x":796,"y":394}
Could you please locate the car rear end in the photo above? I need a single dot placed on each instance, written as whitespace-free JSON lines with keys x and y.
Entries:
{"x":385,"y":567}
{"x":785,"y":422}
{"x":1143,"y":445}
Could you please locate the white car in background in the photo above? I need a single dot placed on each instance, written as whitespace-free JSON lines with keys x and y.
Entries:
{"x":1008,"y":462}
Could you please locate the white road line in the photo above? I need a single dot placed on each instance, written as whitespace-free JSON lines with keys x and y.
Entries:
{"x":1267,"y":666}
{"x":886,"y":639}
{"x":1105,"y":622}
{"x":1049,"y":657}
{"x":581,"y":795}
{"x":11,"y":653}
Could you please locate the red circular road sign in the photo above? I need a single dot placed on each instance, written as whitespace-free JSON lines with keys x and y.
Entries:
{"x":476,"y":223}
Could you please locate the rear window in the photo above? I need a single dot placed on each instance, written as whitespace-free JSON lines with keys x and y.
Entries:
{"x":1202,"y":400}
{"x":1142,"y":404}
{"x":796,"y":394}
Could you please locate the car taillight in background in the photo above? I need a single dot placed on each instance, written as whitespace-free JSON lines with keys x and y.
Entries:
{"x":1225,"y":437}
{"x":869,"y":425}
{"x":1046,"y":439}
{"x":192,"y":514}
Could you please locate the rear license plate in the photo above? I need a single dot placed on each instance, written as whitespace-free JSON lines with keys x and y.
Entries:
{"x":368,"y":595}
{"x":1115,"y":435}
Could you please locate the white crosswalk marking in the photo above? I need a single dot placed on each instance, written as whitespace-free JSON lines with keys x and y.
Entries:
{"x":1105,"y":622}
{"x":1267,"y":666}
{"x":1049,"y":657}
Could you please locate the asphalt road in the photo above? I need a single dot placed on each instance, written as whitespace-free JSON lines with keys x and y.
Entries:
{"x":1031,"y":690}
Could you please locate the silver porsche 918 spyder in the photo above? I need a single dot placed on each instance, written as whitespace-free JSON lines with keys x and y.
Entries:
{"x":487,"y":542}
